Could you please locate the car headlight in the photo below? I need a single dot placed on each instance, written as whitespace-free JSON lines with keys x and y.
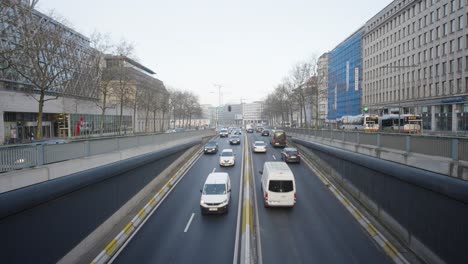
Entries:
{"x":202,"y":202}
{"x":224,"y":202}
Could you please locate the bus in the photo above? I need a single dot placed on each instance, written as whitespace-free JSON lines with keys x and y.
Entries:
{"x":404,"y":123}
{"x":368,"y":123}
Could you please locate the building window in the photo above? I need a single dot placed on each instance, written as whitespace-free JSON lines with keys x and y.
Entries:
{"x":460,"y":22}
{"x":459,"y":87}
{"x":451,"y":66}
{"x":443,"y":88}
{"x":460,"y":43}
{"x":437,"y":89}
{"x":451,"y":86}
{"x":459,"y":65}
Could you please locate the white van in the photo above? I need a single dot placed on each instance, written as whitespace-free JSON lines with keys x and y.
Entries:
{"x":278,"y":184}
{"x":216,"y":193}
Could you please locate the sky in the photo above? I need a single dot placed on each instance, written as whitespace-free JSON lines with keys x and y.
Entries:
{"x":246,"y":46}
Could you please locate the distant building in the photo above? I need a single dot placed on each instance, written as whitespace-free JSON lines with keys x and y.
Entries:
{"x":322,"y":83}
{"x":233,"y":118}
{"x":345,"y":77}
{"x":252,"y":113}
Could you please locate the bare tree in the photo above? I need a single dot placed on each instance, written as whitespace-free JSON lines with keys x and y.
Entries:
{"x":101,"y":45}
{"x":12,"y":15}
{"x":47,"y":57}
{"x":300,"y":75}
{"x":121,"y":88}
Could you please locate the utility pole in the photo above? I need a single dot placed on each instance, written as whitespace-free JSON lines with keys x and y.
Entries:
{"x":219,"y":86}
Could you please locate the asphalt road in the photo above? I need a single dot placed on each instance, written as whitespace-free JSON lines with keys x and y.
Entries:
{"x":209,"y":238}
{"x":317,"y":230}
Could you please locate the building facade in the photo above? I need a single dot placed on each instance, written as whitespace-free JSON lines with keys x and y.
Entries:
{"x":322,"y":84}
{"x":252,"y":113}
{"x":415,"y":60}
{"x":345,"y":77}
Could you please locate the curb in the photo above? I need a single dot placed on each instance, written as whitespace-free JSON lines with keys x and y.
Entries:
{"x":120,"y":239}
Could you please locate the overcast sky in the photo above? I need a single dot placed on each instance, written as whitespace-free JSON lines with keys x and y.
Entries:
{"x":247,"y":46}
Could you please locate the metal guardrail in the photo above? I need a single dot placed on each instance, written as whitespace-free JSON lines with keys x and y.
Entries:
{"x":17,"y":157}
{"x":455,"y":148}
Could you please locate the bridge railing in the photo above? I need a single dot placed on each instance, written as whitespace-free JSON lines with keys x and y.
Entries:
{"x":31,"y":155}
{"x":454,"y":148}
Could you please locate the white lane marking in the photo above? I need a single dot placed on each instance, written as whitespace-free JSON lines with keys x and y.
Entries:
{"x":239,"y":206}
{"x":213,"y":170}
{"x":273,"y":157}
{"x":189,"y":222}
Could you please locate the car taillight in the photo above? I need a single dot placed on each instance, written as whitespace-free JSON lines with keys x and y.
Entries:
{"x":287,"y":155}
{"x":266,"y":196}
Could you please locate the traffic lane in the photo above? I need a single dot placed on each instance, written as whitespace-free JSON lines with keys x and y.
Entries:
{"x":318,"y":229}
{"x":163,"y":240}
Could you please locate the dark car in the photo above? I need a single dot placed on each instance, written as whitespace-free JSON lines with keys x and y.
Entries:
{"x":237,"y":132}
{"x":266,"y":133}
{"x":278,"y":138}
{"x":259,"y":129}
{"x":290,"y":155}
{"x":234,"y":140}
{"x":211,"y":147}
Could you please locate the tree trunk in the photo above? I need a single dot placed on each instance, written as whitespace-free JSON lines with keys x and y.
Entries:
{"x":121,"y":117}
{"x":154,"y":121}
{"x":103,"y":112}
{"x":134,"y":118}
{"x":162,"y":121}
{"x":39,"y":115}
{"x":146,"y":120}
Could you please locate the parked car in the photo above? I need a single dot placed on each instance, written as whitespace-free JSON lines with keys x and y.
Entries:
{"x":227,"y":157}
{"x":223,"y":132}
{"x":266,"y":133}
{"x":278,"y":184}
{"x":211,"y":147}
{"x":216,"y":193}
{"x":234,"y":140}
{"x":259,"y":146}
{"x":290,"y":155}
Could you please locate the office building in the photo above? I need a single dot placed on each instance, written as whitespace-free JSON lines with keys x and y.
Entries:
{"x":345,"y":77}
{"x":415,"y":60}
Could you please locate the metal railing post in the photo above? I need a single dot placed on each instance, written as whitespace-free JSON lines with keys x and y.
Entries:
{"x":408,"y":144}
{"x":40,"y":155}
{"x":378,"y":140}
{"x":87,"y":148}
{"x":455,"y":149}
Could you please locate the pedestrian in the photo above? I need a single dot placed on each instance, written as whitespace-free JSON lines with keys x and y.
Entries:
{"x":31,"y":135}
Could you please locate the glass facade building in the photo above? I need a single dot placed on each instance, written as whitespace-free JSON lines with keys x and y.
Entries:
{"x":345,"y":77}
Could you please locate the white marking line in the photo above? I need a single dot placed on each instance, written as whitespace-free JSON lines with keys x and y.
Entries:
{"x":189,"y":222}
{"x":273,"y":157}
{"x":213,"y":170}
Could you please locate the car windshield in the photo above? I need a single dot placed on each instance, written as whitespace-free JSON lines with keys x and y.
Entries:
{"x":224,"y":130}
{"x":259,"y":144}
{"x":226,"y":154}
{"x":280,"y":186}
{"x":234,"y":137}
{"x":292,"y":152}
{"x":214,"y":189}
{"x":211,"y":144}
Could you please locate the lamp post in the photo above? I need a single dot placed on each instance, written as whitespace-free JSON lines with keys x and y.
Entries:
{"x":219,"y":104}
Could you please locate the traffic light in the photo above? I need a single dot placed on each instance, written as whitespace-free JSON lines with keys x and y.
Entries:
{"x":229,"y":108}
{"x":365,"y":109}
